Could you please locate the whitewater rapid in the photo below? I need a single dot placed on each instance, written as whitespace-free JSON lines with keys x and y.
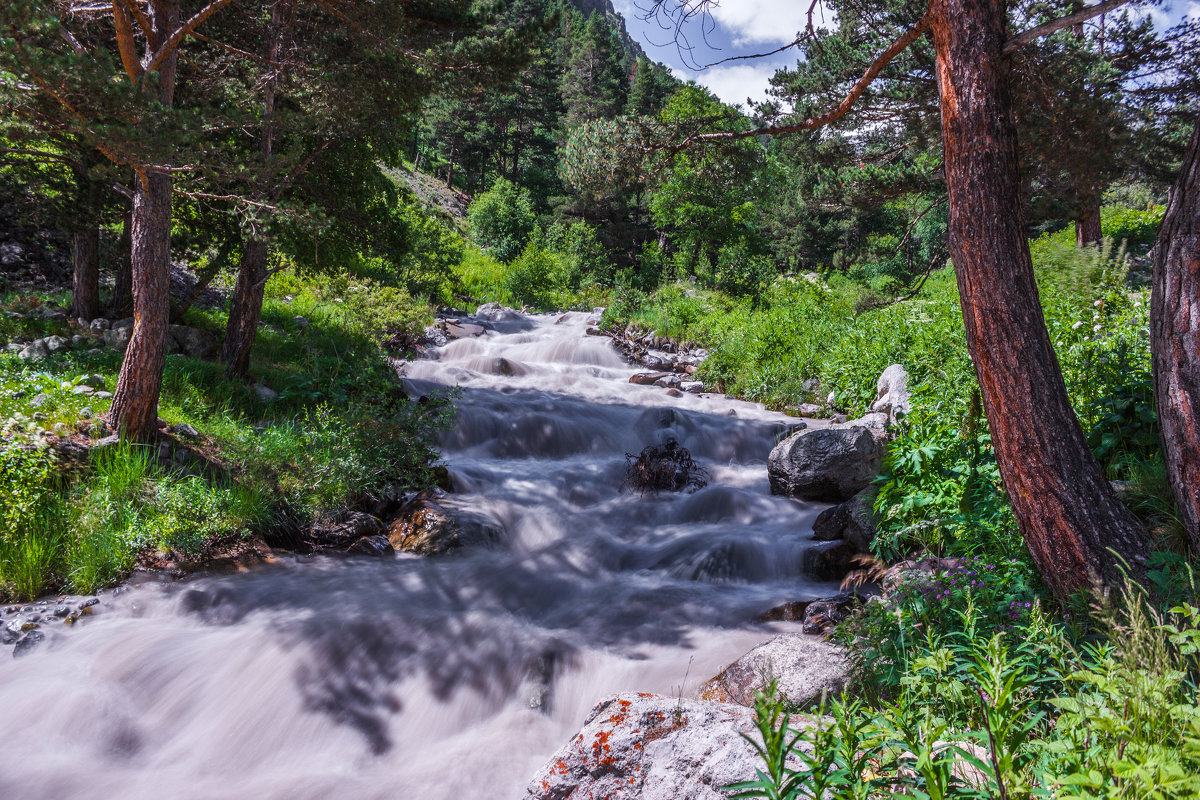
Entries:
{"x":447,"y":677}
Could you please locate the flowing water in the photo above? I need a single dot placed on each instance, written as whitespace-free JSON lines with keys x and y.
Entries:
{"x":448,"y":677}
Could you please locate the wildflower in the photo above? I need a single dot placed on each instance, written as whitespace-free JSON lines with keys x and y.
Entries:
{"x":1096,"y":329}
{"x":1077,"y":325}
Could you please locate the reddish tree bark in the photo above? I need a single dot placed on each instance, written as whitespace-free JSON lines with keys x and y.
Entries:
{"x":1087,"y":225}
{"x":245,"y":309}
{"x":1175,"y":338}
{"x":85,"y":288}
{"x":134,"y":409}
{"x":1068,"y":513}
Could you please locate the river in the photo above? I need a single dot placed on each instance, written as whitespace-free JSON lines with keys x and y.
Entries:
{"x":447,"y":677}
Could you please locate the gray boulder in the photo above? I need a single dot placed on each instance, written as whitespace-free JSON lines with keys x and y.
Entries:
{"x":807,"y":669}
{"x":118,"y":338}
{"x":56,"y":343}
{"x":852,"y":521}
{"x":810,"y":410}
{"x":192,"y":342}
{"x":99,"y":325}
{"x":34,"y":351}
{"x":826,"y":464}
{"x":891,"y":393}
{"x":263,"y":392}
{"x":641,"y":746}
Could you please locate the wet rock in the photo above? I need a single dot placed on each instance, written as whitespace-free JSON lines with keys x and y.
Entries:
{"x":650,"y":747}
{"x":34,"y":351}
{"x":345,"y":530}
{"x":377,"y":546}
{"x":668,"y":381}
{"x":853,"y":521}
{"x":647,"y":378}
{"x":891,"y":393}
{"x":27,"y":643}
{"x":810,"y":410}
{"x":807,"y":669}
{"x":830,"y":561}
{"x":463,"y":330}
{"x":674,"y":393}
{"x":424,"y":527}
{"x":787,"y":612}
{"x":822,"y":615}
{"x":826,"y":464}
{"x":692,"y":387}
{"x":502,"y":366}
{"x":594,"y":332}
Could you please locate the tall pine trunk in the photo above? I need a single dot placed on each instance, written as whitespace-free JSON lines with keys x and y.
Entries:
{"x":245,"y":309}
{"x":134,"y":409}
{"x":1175,"y":338}
{"x":135,"y":402}
{"x":1068,"y":513}
{"x":85,"y":286}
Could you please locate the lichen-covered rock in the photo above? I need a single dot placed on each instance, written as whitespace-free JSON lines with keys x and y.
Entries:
{"x":827,"y":464}
{"x":807,"y":669}
{"x":651,"y":747}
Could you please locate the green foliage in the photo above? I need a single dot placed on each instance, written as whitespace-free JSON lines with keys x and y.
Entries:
{"x":32,"y":520}
{"x":1132,"y":226}
{"x":502,"y":220}
{"x":535,"y":278}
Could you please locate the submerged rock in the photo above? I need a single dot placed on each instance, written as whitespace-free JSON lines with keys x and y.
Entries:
{"x":807,"y":669}
{"x":425,"y":528}
{"x":826,"y":464}
{"x":650,"y":747}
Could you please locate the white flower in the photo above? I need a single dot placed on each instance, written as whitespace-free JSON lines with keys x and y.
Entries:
{"x":1096,"y":329}
{"x":1077,"y":325}
{"x":1098,"y":303}
{"x":1058,"y":343}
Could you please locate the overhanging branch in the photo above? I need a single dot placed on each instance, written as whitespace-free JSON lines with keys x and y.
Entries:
{"x":1053,"y":25}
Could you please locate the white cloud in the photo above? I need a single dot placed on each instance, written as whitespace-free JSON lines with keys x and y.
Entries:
{"x":767,"y":21}
{"x":733,"y":84}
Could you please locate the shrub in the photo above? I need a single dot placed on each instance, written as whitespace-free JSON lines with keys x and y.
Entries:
{"x":501,"y":220}
{"x":535,"y":279}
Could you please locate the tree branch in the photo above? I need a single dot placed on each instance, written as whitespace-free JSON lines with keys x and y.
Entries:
{"x":126,"y":46}
{"x":173,"y":42}
{"x":1058,"y":24}
{"x":897,"y":47}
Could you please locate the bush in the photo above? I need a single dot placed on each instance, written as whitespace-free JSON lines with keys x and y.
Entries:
{"x":536,"y":279}
{"x":502,"y":219}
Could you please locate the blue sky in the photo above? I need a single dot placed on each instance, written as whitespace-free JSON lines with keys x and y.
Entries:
{"x":742,"y":27}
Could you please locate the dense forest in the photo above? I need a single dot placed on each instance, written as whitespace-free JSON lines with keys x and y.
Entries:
{"x":224,"y":226}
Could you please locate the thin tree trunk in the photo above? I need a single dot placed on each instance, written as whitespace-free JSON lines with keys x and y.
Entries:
{"x":85,"y":289}
{"x":245,"y":309}
{"x":134,"y":409}
{"x":1175,"y":338}
{"x":122,"y":298}
{"x":1068,"y":513}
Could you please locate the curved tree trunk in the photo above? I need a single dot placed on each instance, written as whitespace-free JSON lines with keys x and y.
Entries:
{"x":134,"y":409}
{"x":1175,"y":338}
{"x":1068,"y":513}
{"x":1087,"y":225}
{"x":245,"y":309}
{"x":85,"y":288}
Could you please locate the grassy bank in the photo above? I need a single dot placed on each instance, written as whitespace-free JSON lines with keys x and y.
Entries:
{"x":334,"y":431}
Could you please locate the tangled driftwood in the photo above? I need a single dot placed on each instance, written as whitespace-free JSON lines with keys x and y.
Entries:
{"x":663,"y":468}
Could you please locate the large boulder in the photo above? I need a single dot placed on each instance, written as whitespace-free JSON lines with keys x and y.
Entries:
{"x":826,"y":464}
{"x":807,"y":669}
{"x":891,"y":393}
{"x":192,"y":342}
{"x":650,"y":747}
{"x":852,"y":521}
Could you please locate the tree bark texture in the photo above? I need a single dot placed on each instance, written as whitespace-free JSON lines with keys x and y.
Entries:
{"x":1068,"y":513}
{"x":1175,"y":338}
{"x":85,"y":287}
{"x":1087,"y":225}
{"x":245,"y":309}
{"x":134,"y":409}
